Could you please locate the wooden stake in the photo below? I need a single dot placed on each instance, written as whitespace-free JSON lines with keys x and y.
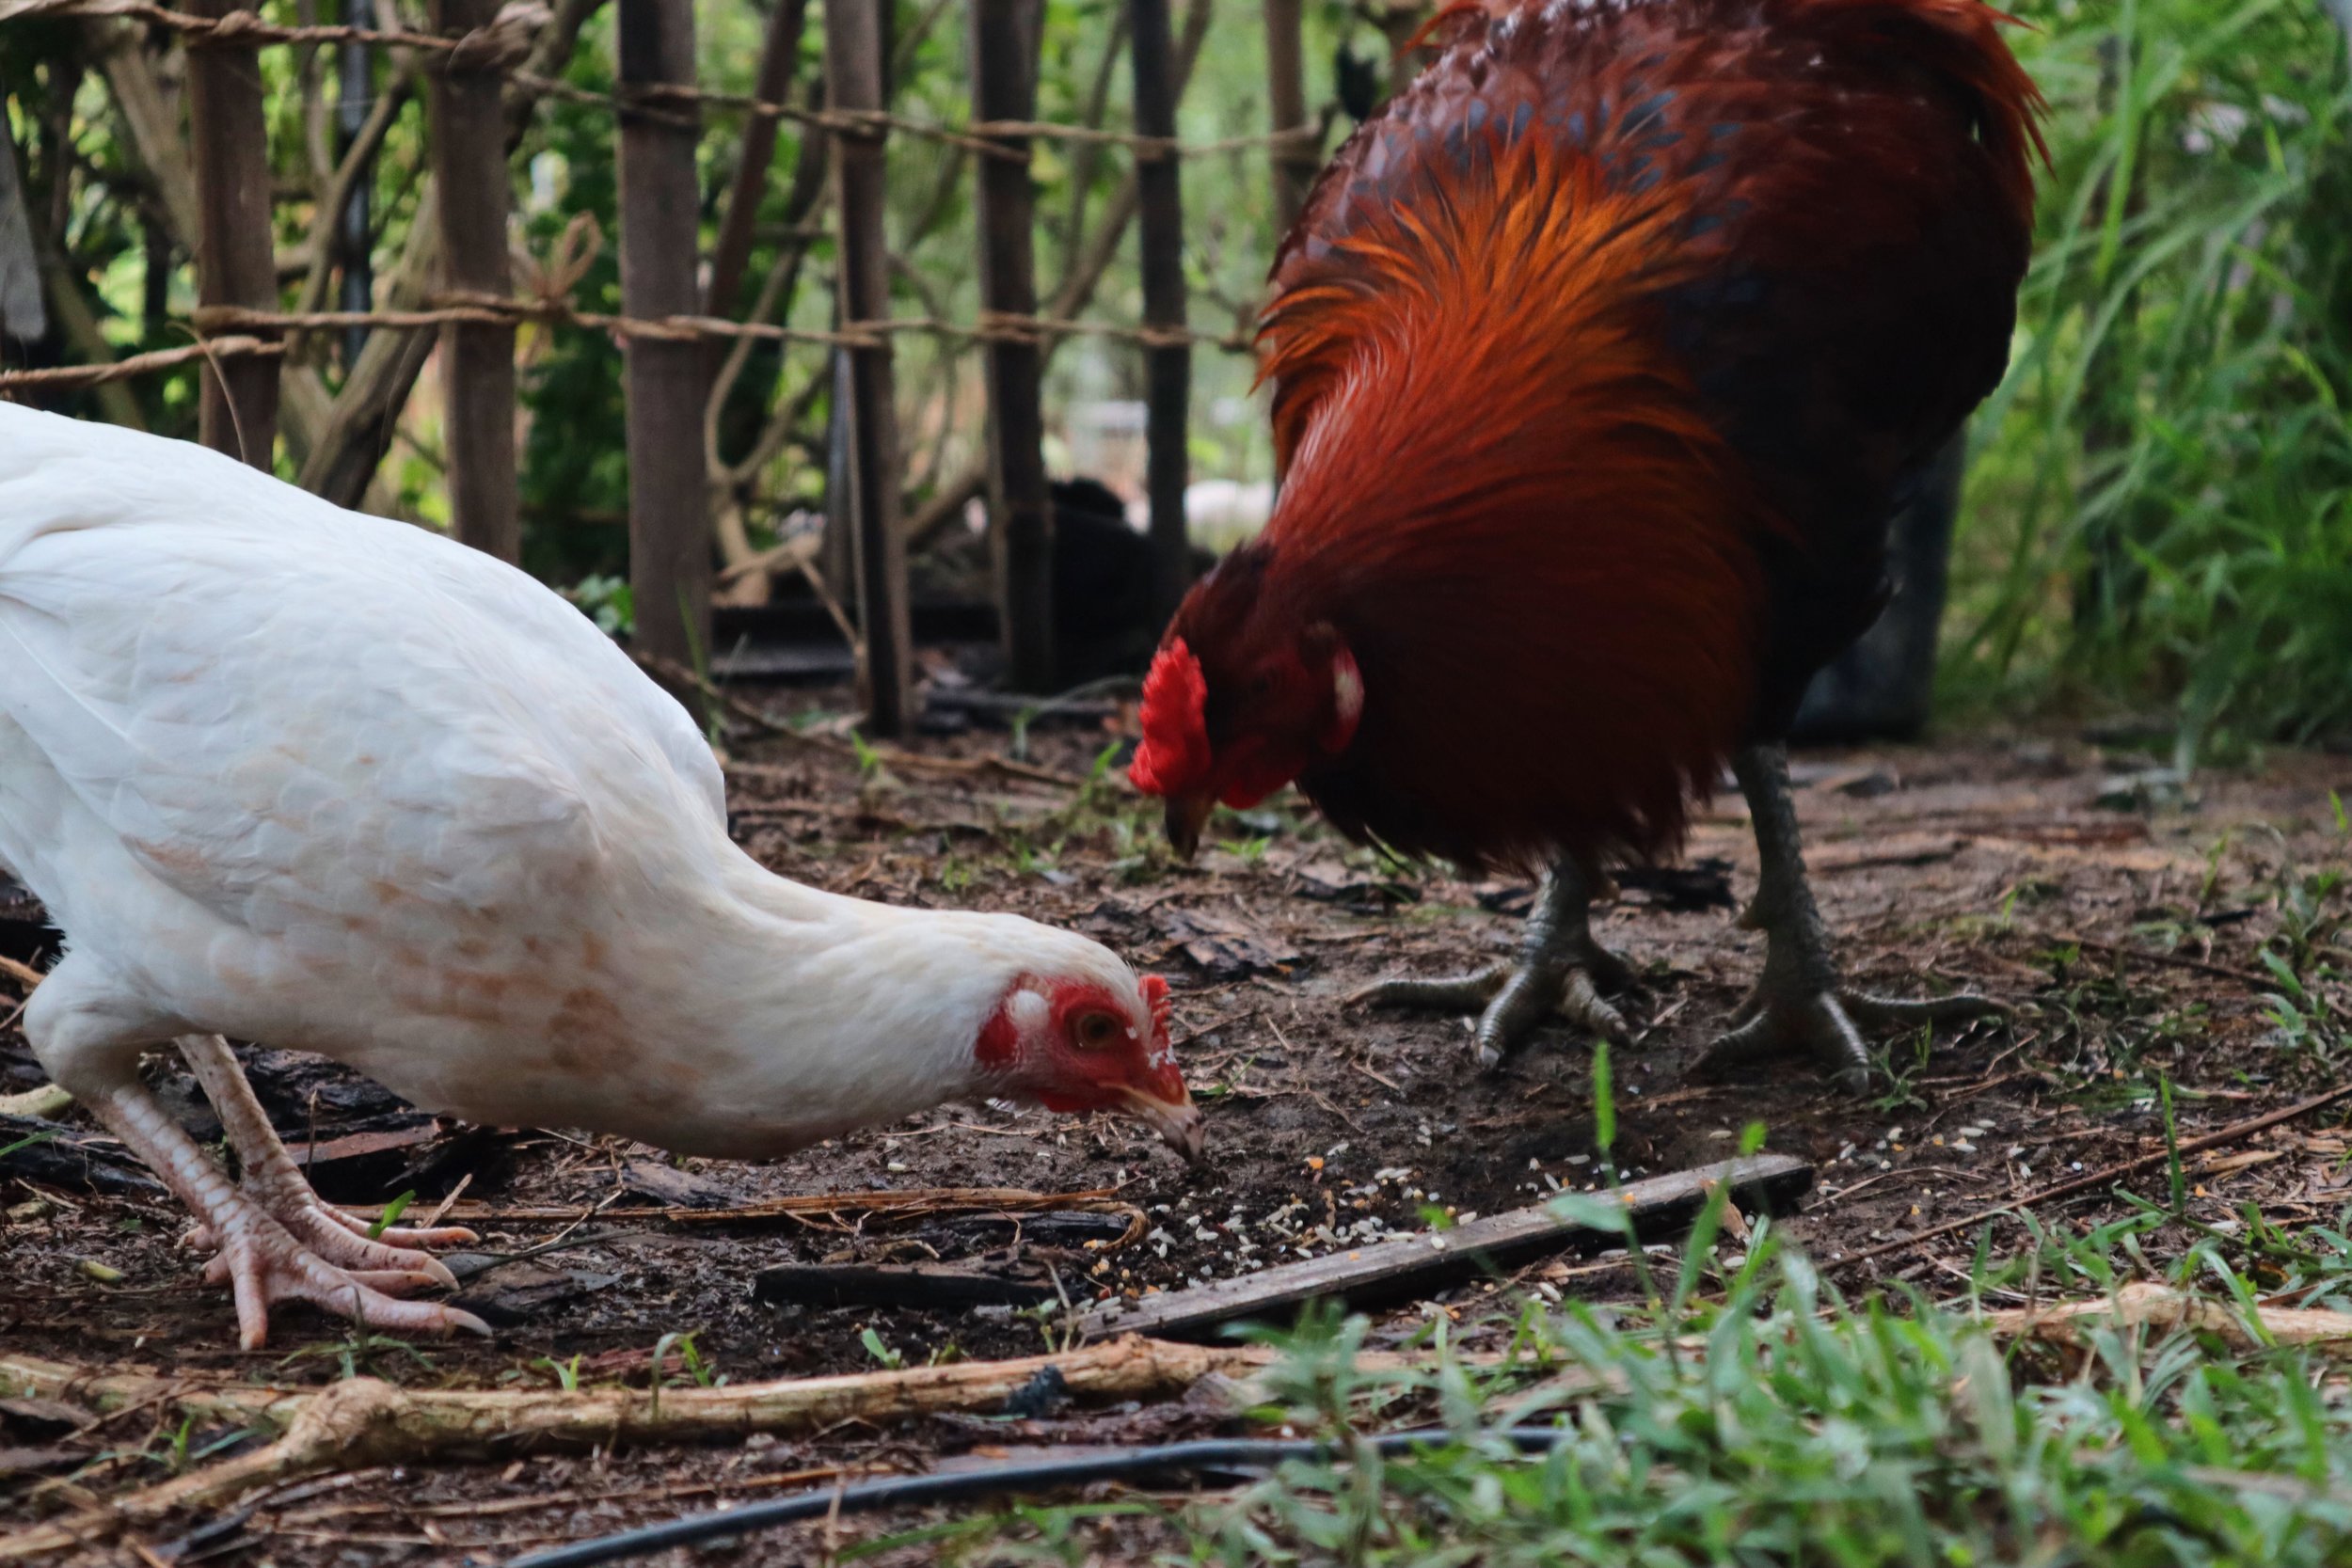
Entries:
{"x":669,"y":539}
{"x":470,"y":178}
{"x":854,"y":73}
{"x":1005,"y":37}
{"x":1294,"y":165}
{"x":1169,"y":367}
{"x":233,"y":262}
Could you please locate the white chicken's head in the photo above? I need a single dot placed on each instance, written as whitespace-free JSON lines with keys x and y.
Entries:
{"x":1078,"y":1042}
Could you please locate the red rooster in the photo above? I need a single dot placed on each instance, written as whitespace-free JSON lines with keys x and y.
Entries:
{"x":1602,"y":360}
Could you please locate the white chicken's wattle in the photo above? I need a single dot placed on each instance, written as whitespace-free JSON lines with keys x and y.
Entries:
{"x":289,"y":774}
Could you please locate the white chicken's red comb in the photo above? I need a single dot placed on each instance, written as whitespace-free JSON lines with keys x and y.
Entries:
{"x":1175,"y":751}
{"x":1156,"y":998}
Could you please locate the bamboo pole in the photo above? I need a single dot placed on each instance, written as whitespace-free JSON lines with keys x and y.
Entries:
{"x":354,"y":229}
{"x":234,"y":265}
{"x":669,"y":538}
{"x":1293,"y":164}
{"x":468,"y":137}
{"x":1169,"y":367}
{"x":1005,"y":41}
{"x":854,"y":73}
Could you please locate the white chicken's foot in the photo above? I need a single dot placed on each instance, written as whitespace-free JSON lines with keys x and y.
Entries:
{"x":258,"y":1257}
{"x":1800,"y":1004}
{"x":275,"y":1184}
{"x":1560,"y":969}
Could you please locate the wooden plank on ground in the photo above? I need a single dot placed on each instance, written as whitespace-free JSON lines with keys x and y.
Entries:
{"x":1389,"y":1271}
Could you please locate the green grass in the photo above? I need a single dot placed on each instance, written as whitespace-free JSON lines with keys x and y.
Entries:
{"x":1782,"y":1423}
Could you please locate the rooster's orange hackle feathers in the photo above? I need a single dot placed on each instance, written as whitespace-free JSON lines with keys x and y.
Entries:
{"x":1600,"y":359}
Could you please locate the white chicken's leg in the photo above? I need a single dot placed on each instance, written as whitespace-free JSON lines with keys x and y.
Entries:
{"x":1801,"y":1004}
{"x":1560,"y":969}
{"x":272,"y":1181}
{"x":88,"y":1032}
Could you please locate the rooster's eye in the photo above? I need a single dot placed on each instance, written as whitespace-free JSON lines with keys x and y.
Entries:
{"x":1097,"y":1032}
{"x":1262,"y":686}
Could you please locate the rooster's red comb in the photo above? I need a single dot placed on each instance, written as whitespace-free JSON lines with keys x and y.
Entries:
{"x":1175,"y":752}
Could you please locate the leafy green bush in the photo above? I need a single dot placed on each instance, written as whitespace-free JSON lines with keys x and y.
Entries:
{"x":2161,"y":503}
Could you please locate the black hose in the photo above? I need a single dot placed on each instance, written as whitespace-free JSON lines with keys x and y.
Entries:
{"x":1032,"y":1476}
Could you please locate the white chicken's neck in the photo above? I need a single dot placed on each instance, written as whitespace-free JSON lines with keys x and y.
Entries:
{"x":797,"y":1013}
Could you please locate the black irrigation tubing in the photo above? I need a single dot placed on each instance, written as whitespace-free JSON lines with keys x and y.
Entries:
{"x":1031,"y":1475}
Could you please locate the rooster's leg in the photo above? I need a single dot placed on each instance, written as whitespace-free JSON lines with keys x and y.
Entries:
{"x":277,"y":1185}
{"x":1561,"y":968}
{"x":1801,"y":1004}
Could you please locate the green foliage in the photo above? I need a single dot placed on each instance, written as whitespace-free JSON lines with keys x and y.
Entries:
{"x":1760,"y":1417}
{"x":2161,"y":504}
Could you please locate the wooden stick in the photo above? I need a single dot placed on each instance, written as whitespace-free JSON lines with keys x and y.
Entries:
{"x":1161,"y":242}
{"x":1005,"y":38}
{"x":778,"y":60}
{"x":469,"y":139}
{"x":2234,"y":1132}
{"x":234,"y":263}
{"x":854,"y":73}
{"x":1390,"y":1270}
{"x":669,"y":533}
{"x":2144,"y":1305}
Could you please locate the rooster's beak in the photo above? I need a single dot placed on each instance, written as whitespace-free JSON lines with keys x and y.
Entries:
{"x":1177,"y":1121}
{"x":1187,"y":815}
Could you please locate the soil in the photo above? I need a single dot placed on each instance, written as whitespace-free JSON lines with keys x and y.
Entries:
{"x":2126,"y":915}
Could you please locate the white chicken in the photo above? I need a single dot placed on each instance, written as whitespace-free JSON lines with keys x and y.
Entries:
{"x":289,"y":774}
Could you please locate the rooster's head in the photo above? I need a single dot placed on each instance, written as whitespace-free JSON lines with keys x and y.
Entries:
{"x":1241,"y":699}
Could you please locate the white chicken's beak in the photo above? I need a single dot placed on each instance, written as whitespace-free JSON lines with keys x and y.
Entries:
{"x":1180,"y":1124}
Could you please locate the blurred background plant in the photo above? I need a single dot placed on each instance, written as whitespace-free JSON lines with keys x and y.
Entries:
{"x":2159,"y":508}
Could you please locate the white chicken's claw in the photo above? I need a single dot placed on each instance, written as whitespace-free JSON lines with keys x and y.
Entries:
{"x":277,"y":1186}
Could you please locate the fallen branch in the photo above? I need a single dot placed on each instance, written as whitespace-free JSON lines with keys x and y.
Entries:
{"x":2168,"y":960}
{"x":364,"y":1421}
{"x":43,"y":1102}
{"x":2148,"y":1305}
{"x":2234,"y":1132}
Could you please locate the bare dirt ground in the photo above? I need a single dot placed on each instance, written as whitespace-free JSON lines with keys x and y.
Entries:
{"x":2128,"y":919}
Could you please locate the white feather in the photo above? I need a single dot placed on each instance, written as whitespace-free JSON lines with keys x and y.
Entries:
{"x":332,"y":782}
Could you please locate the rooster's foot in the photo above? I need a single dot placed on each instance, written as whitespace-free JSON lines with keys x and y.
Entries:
{"x":1821,"y":1023}
{"x":1561,"y":970}
{"x":1801,"y":1006}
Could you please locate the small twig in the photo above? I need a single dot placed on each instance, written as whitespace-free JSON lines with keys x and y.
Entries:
{"x":2234,"y":1132}
{"x":2169,"y":960}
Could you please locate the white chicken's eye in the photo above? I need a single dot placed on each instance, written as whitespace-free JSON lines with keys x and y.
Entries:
{"x":1097,"y":1032}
